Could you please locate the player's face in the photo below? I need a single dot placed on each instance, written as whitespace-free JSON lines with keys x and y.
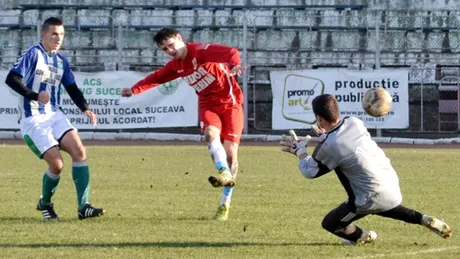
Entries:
{"x":53,"y":37}
{"x":174,"y":46}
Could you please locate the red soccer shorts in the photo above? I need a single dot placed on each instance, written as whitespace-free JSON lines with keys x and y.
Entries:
{"x":229,"y":120}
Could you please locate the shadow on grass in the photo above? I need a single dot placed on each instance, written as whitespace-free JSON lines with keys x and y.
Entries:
{"x":34,"y":220}
{"x":162,"y":244}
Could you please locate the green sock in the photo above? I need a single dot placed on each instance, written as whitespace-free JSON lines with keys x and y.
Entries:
{"x":80,"y":175}
{"x":49,"y":186}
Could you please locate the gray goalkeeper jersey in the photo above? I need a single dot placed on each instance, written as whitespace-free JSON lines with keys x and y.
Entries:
{"x":362,"y":167}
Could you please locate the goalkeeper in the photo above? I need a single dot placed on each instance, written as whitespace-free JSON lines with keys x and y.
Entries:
{"x":363,"y":169}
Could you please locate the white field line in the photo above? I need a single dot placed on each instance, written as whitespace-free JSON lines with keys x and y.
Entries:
{"x":426,"y":251}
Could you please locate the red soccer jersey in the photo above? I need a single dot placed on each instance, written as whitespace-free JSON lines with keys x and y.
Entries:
{"x":206,"y":69}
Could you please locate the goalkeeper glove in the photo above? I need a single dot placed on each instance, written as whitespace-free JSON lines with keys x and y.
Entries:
{"x":295,"y":147}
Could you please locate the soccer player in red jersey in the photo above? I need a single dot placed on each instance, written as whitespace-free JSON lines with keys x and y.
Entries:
{"x":210,"y":70}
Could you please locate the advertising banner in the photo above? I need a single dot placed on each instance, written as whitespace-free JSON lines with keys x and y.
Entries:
{"x":173,"y":104}
{"x":294,"y":90}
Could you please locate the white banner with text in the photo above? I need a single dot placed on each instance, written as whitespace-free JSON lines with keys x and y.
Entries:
{"x":294,"y":90}
{"x":173,"y":104}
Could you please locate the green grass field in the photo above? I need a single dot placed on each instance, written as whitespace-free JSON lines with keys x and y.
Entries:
{"x":159,"y":205}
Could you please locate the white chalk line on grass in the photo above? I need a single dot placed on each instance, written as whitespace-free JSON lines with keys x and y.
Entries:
{"x":426,"y":251}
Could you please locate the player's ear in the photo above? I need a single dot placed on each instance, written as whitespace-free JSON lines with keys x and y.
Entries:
{"x":317,"y":118}
{"x":179,"y":37}
{"x":320,"y":121}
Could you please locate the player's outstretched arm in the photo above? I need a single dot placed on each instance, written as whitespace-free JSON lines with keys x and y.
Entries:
{"x":309,"y":167}
{"x":158,"y":77}
{"x":126,"y":92}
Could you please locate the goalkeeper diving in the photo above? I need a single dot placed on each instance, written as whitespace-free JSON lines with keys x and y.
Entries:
{"x":363,"y":169}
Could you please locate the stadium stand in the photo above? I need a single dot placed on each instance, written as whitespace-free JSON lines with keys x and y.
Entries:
{"x":338,"y":33}
{"x":117,"y":34}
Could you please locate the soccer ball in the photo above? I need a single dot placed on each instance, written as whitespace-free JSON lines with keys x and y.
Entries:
{"x":377,"y":102}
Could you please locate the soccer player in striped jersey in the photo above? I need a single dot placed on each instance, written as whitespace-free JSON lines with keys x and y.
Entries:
{"x":363,"y":169}
{"x":210,"y":70}
{"x":37,"y":76}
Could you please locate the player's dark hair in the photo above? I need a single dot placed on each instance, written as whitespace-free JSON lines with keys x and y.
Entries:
{"x":327,"y":107}
{"x":164,"y":34}
{"x":51,"y":21}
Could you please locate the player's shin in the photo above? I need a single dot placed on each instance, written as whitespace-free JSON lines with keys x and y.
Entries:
{"x":218,"y":154}
{"x":226,"y":196}
{"x":350,"y":232}
{"x":219,"y":157}
{"x":233,"y":167}
{"x":80,"y":175}
{"x":49,"y":187}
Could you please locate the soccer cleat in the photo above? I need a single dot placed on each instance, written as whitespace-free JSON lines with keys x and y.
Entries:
{"x":222,"y":213}
{"x":88,"y":211}
{"x":370,"y":238}
{"x":437,"y":226}
{"x":224,"y":178}
{"x":47,"y":211}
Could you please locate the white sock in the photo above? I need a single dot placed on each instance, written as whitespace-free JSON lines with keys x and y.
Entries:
{"x":51,"y":175}
{"x":218,"y":154}
{"x":226,"y":196}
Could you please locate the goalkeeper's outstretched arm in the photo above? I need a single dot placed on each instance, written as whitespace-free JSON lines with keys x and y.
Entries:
{"x":309,"y":166}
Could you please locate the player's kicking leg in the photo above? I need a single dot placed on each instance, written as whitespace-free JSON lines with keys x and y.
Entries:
{"x":219,"y":157}
{"x":414,"y":217}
